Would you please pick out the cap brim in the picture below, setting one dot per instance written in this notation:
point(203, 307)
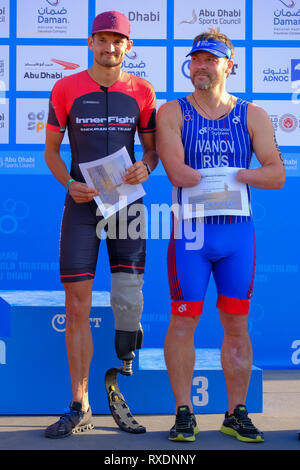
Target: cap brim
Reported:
point(211, 51)
point(110, 31)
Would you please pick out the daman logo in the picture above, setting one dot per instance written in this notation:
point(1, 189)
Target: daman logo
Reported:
point(288, 3)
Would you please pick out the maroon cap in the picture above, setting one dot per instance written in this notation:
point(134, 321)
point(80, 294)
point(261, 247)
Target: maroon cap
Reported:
point(112, 21)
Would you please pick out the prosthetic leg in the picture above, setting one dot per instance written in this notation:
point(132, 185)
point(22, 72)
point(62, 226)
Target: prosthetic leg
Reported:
point(126, 301)
point(126, 342)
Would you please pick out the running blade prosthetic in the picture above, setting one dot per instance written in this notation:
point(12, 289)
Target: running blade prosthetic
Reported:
point(118, 406)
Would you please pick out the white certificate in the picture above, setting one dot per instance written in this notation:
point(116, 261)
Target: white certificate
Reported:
point(106, 175)
point(218, 193)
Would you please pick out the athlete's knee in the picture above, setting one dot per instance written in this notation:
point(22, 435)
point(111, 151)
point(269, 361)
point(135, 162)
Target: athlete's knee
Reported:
point(78, 301)
point(234, 325)
point(183, 327)
point(127, 300)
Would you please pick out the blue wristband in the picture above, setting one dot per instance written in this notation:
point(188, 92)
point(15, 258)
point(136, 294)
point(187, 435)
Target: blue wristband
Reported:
point(67, 185)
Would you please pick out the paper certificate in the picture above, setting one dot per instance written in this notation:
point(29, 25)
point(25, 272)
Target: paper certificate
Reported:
point(106, 175)
point(218, 193)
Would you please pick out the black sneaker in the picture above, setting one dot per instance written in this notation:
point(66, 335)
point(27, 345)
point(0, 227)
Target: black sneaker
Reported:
point(239, 425)
point(72, 421)
point(185, 427)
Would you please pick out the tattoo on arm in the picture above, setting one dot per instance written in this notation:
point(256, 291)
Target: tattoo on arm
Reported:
point(278, 149)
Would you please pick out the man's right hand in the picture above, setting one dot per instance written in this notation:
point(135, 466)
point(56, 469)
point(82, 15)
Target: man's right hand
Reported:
point(81, 193)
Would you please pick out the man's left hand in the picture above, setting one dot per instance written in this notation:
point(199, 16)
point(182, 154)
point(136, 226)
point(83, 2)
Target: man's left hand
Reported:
point(136, 174)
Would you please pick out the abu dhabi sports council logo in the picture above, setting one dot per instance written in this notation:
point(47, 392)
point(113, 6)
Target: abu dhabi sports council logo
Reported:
point(215, 17)
point(193, 20)
point(288, 122)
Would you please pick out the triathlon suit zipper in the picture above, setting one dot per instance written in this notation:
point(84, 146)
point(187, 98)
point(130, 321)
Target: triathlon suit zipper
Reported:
point(105, 90)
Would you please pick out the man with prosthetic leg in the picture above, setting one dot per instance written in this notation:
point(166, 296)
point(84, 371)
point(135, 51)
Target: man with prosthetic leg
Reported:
point(91, 104)
point(197, 136)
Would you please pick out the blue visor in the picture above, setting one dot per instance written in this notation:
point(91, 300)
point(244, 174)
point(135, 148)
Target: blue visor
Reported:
point(217, 48)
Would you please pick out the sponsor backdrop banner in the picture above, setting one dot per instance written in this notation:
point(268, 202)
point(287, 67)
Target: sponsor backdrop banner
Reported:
point(42, 41)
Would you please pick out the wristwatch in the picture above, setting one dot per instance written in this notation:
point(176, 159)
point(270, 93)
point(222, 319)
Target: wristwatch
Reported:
point(148, 167)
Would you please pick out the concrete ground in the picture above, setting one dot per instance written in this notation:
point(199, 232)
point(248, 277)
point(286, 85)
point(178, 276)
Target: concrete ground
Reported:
point(280, 422)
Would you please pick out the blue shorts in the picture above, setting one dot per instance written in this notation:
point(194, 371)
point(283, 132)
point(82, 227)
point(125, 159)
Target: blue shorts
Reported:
point(228, 252)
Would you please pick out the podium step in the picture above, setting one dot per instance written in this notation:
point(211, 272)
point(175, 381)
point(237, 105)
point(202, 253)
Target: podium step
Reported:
point(151, 391)
point(34, 365)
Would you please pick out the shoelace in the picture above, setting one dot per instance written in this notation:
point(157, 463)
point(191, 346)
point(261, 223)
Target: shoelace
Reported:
point(183, 421)
point(245, 421)
point(68, 414)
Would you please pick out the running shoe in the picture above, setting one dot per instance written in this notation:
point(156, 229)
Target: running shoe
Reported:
point(74, 420)
point(185, 427)
point(239, 425)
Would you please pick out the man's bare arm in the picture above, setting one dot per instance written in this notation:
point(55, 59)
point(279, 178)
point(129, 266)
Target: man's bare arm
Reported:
point(271, 174)
point(138, 173)
point(170, 148)
point(80, 192)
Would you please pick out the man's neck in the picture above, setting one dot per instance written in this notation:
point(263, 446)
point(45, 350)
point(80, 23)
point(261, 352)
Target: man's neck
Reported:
point(105, 76)
point(212, 98)
point(213, 103)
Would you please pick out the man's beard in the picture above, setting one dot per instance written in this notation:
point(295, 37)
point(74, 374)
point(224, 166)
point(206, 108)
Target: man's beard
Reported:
point(109, 61)
point(204, 83)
